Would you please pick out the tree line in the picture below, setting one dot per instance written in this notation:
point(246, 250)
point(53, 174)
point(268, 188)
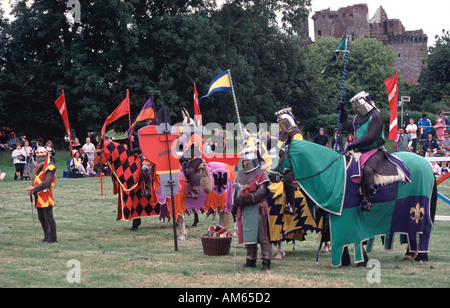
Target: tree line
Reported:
point(162, 47)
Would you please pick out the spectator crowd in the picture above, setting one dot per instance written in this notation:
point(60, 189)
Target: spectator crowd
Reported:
point(425, 138)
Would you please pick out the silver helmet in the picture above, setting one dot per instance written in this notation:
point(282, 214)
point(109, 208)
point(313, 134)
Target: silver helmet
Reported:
point(362, 103)
point(286, 119)
point(250, 157)
point(41, 156)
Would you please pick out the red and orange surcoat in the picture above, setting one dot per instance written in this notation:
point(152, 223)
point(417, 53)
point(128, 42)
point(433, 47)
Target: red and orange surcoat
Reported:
point(45, 197)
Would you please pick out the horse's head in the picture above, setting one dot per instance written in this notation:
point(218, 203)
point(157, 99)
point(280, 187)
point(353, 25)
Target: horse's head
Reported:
point(102, 154)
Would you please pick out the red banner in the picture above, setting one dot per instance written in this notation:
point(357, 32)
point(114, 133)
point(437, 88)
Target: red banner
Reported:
point(392, 89)
point(62, 108)
point(121, 110)
point(197, 113)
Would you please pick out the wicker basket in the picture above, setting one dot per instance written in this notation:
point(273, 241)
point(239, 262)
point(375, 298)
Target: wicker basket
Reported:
point(216, 246)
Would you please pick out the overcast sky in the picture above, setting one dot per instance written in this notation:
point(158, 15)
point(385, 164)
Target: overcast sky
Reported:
point(431, 16)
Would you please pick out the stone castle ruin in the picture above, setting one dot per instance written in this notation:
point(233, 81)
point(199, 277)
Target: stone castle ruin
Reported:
point(410, 46)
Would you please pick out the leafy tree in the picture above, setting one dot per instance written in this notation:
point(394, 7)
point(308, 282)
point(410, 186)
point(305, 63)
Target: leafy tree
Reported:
point(32, 68)
point(369, 64)
point(158, 47)
point(434, 79)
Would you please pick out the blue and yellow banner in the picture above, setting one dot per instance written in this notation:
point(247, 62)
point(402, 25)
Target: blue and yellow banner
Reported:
point(220, 83)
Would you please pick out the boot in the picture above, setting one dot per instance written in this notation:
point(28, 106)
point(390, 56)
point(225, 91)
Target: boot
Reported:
point(250, 263)
point(369, 191)
point(289, 208)
point(45, 239)
point(265, 265)
point(289, 189)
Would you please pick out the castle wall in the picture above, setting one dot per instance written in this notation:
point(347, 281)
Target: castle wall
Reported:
point(410, 46)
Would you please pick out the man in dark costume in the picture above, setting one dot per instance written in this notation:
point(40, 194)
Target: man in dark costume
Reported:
point(288, 132)
point(368, 127)
point(44, 180)
point(251, 209)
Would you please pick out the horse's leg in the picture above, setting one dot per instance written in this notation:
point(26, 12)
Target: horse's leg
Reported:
point(366, 259)
point(136, 224)
point(280, 254)
point(183, 232)
point(409, 256)
point(345, 260)
point(421, 257)
point(196, 220)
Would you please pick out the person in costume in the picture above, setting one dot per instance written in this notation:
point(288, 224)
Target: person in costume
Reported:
point(368, 128)
point(251, 210)
point(44, 180)
point(288, 132)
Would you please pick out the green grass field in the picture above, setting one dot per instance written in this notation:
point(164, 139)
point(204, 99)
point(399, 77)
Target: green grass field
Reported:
point(110, 255)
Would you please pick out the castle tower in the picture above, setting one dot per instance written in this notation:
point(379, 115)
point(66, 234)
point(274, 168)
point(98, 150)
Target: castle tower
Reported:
point(410, 46)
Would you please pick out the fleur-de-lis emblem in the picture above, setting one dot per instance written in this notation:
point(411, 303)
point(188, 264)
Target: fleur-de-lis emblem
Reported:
point(416, 211)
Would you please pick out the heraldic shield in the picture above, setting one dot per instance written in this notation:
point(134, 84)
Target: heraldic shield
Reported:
point(158, 144)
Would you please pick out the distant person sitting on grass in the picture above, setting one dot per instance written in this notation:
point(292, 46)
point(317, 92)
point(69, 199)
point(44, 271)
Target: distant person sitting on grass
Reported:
point(77, 163)
point(2, 175)
point(91, 169)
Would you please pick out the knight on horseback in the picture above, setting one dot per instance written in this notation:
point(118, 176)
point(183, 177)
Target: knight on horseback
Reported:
point(368, 127)
point(146, 165)
point(288, 132)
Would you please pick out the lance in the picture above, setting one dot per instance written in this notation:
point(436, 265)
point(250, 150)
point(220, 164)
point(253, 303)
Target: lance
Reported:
point(338, 127)
point(235, 103)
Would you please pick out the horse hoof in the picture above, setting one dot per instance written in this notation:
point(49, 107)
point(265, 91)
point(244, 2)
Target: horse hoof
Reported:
point(182, 237)
point(421, 257)
point(280, 256)
point(408, 257)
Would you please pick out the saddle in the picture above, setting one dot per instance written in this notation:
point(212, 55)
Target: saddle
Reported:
point(355, 167)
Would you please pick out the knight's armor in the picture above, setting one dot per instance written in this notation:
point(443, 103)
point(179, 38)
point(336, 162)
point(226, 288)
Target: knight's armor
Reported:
point(288, 132)
point(368, 127)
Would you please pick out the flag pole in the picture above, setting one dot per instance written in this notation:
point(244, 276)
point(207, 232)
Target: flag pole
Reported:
point(235, 103)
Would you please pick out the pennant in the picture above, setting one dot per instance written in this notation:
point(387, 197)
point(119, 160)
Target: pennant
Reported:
point(341, 48)
point(62, 108)
point(220, 83)
point(392, 89)
point(121, 110)
point(197, 113)
point(147, 112)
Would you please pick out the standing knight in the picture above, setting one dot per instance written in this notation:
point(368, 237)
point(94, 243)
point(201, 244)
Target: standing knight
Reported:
point(251, 210)
point(44, 180)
